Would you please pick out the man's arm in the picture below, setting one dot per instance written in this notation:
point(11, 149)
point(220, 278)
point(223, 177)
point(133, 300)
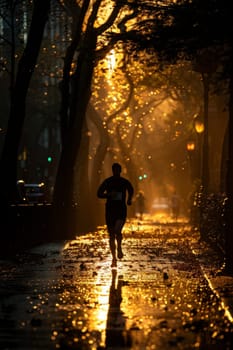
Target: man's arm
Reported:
point(101, 192)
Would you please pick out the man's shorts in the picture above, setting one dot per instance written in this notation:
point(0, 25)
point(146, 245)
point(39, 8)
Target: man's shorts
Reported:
point(115, 213)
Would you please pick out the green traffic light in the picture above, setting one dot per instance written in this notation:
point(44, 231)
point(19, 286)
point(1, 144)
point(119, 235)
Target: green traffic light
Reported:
point(49, 159)
point(141, 177)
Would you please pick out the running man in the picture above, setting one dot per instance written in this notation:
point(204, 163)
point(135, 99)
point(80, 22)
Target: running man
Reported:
point(118, 191)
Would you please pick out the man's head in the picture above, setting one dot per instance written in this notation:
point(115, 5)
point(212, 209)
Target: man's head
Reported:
point(116, 169)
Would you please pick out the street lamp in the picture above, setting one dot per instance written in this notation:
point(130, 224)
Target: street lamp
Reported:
point(199, 127)
point(190, 146)
point(198, 123)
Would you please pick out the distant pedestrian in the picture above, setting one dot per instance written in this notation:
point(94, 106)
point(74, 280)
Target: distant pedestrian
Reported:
point(118, 192)
point(140, 204)
point(175, 206)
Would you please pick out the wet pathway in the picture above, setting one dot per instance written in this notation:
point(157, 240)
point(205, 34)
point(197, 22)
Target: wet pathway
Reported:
point(66, 296)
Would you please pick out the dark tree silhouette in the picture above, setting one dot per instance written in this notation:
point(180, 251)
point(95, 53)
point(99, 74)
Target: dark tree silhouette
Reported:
point(8, 171)
point(74, 106)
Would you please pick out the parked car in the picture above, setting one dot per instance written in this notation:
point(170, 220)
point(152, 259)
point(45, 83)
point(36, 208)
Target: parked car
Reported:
point(31, 193)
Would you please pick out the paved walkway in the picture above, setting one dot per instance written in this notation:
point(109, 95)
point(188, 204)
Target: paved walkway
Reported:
point(66, 296)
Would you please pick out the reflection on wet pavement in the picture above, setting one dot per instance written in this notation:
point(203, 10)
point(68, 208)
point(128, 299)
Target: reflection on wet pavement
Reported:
point(66, 296)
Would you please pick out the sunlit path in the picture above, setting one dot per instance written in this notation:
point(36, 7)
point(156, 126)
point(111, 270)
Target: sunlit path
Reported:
point(66, 296)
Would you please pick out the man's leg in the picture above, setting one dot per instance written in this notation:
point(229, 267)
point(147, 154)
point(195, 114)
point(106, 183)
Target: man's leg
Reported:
point(112, 245)
point(110, 221)
point(118, 228)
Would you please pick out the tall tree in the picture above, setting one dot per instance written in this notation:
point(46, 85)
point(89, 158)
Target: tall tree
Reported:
point(95, 19)
point(8, 163)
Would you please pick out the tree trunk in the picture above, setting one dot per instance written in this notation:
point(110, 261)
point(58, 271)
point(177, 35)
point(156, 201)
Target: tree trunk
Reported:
point(64, 212)
point(8, 174)
point(85, 203)
point(101, 151)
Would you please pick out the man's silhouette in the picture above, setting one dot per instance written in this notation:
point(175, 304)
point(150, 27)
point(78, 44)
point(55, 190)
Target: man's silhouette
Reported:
point(118, 191)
